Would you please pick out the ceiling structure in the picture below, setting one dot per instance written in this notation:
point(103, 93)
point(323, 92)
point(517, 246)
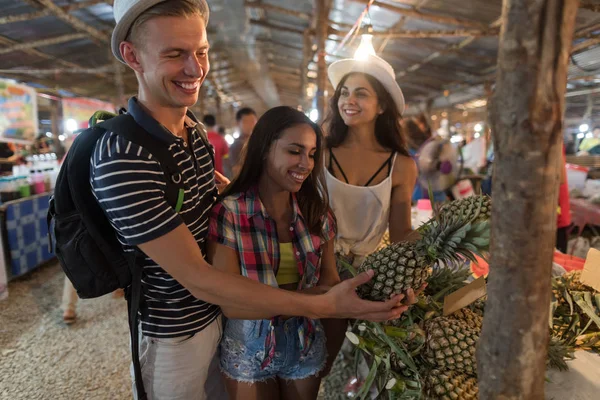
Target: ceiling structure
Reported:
point(265, 53)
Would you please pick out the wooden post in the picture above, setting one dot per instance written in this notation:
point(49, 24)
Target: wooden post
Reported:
point(527, 112)
point(323, 7)
point(306, 53)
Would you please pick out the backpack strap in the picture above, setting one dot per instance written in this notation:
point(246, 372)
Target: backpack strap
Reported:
point(125, 126)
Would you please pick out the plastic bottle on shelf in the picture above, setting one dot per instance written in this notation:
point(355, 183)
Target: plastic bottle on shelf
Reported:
point(424, 212)
point(12, 191)
point(48, 179)
point(38, 182)
point(24, 187)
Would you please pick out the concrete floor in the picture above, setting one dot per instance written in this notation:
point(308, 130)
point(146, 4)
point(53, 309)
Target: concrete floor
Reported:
point(42, 358)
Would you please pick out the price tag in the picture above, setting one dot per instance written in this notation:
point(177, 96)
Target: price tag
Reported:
point(591, 269)
point(464, 296)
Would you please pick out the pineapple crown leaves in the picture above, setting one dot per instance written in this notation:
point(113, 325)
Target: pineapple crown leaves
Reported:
point(450, 237)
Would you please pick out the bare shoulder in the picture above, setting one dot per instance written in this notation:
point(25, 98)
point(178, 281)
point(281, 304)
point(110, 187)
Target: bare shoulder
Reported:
point(405, 170)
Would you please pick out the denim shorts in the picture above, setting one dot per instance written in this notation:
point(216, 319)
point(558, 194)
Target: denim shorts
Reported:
point(243, 351)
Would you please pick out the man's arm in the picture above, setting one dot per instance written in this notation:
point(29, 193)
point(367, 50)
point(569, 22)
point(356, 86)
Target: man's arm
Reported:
point(177, 253)
point(226, 259)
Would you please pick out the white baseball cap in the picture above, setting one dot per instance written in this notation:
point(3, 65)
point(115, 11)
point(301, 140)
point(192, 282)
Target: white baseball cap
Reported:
point(127, 11)
point(372, 65)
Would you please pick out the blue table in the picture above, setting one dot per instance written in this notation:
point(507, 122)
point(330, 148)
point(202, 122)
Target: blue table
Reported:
point(25, 234)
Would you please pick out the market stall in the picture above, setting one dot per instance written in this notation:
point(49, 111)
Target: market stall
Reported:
point(35, 131)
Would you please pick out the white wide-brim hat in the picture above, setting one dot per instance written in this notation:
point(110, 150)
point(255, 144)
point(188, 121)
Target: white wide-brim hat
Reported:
point(127, 11)
point(372, 65)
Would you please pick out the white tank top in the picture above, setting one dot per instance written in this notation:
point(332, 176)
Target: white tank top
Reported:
point(362, 214)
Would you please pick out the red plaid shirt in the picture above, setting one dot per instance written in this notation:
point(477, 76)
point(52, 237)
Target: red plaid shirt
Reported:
point(242, 223)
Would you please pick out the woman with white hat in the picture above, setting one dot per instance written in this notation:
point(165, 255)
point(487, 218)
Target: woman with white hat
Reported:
point(369, 173)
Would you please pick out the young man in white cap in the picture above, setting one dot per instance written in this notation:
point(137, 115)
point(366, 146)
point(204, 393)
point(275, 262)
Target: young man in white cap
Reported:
point(165, 43)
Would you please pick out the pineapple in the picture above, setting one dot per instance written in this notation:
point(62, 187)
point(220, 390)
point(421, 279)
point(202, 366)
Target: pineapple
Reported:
point(478, 208)
point(397, 267)
point(401, 266)
point(451, 343)
point(450, 385)
point(470, 317)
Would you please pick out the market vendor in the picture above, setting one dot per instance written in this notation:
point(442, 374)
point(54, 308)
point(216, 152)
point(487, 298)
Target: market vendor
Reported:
point(591, 145)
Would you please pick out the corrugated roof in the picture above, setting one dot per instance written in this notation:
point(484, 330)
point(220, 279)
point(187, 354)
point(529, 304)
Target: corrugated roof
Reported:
point(258, 49)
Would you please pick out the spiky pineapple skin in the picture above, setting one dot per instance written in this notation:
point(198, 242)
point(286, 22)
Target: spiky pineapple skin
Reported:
point(398, 267)
point(450, 385)
point(478, 208)
point(451, 343)
point(470, 317)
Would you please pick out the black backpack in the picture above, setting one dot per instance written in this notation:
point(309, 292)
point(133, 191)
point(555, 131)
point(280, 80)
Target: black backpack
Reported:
point(84, 240)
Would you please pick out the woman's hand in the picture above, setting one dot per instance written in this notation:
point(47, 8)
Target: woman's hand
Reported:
point(221, 181)
point(411, 295)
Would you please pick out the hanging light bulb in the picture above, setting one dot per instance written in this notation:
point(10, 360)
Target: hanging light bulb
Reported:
point(365, 48)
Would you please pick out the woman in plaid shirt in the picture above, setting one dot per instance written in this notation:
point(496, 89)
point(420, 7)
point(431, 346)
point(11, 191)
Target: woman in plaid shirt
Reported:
point(274, 225)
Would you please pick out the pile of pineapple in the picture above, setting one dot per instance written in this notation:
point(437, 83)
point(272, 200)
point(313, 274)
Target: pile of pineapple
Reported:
point(427, 355)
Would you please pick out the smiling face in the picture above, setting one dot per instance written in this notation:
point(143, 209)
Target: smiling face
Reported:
point(358, 103)
point(291, 158)
point(170, 57)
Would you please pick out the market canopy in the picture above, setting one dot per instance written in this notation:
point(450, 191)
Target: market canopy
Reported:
point(264, 52)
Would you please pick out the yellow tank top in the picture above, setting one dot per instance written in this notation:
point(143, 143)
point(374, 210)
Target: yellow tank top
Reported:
point(288, 271)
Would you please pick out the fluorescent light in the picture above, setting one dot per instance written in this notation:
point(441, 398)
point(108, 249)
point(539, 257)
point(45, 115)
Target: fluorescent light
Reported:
point(61, 138)
point(236, 134)
point(580, 135)
point(229, 139)
point(589, 135)
point(314, 115)
point(584, 128)
point(48, 134)
point(477, 135)
point(478, 128)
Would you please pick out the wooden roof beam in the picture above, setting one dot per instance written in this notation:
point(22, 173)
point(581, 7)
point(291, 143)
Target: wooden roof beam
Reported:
point(433, 56)
point(45, 12)
point(414, 13)
point(55, 71)
point(23, 17)
point(291, 70)
point(276, 27)
point(424, 34)
point(278, 9)
point(595, 7)
point(274, 43)
point(584, 45)
point(98, 36)
point(36, 53)
point(588, 31)
point(43, 42)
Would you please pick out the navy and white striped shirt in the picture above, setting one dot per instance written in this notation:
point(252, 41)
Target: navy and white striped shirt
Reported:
point(130, 187)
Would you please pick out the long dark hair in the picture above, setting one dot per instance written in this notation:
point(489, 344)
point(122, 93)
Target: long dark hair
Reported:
point(312, 197)
point(388, 131)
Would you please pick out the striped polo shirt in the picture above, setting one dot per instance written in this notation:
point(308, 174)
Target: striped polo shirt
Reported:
point(130, 187)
